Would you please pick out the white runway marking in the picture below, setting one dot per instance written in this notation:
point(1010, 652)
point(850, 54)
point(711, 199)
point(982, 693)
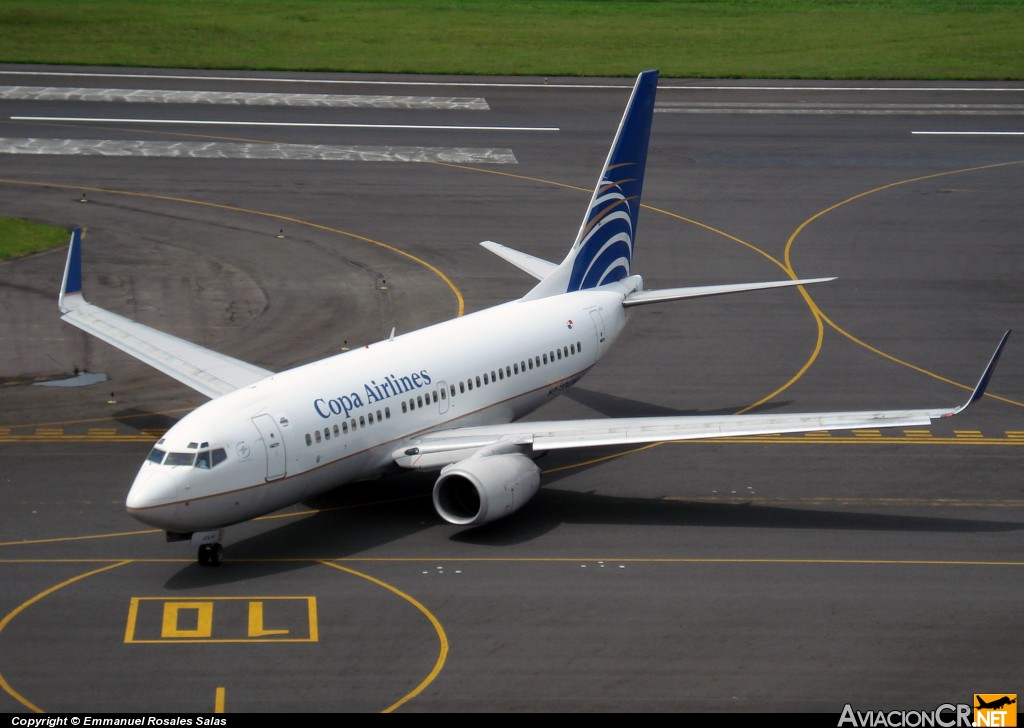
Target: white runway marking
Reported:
point(155, 96)
point(558, 83)
point(727, 107)
point(215, 122)
point(970, 133)
point(231, 150)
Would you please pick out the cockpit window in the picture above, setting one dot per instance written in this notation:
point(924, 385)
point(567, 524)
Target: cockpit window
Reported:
point(156, 455)
point(208, 459)
point(180, 458)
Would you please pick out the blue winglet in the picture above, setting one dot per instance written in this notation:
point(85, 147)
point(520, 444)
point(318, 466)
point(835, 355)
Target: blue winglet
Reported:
point(979, 390)
point(72, 282)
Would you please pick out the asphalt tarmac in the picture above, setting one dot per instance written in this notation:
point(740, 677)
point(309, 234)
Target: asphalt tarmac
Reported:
point(880, 569)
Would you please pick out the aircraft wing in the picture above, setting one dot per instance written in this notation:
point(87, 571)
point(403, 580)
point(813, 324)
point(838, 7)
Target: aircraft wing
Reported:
point(439, 448)
point(204, 370)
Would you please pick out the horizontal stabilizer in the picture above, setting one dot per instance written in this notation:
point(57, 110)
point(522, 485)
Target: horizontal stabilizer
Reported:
point(204, 370)
point(536, 267)
point(640, 298)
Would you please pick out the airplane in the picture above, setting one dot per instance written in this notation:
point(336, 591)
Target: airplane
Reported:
point(445, 398)
point(995, 704)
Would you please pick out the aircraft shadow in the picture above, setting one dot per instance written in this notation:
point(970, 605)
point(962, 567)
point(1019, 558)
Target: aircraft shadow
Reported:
point(142, 420)
point(553, 507)
point(361, 517)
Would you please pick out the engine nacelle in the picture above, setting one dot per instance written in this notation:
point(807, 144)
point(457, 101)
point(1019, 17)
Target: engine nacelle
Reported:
point(480, 490)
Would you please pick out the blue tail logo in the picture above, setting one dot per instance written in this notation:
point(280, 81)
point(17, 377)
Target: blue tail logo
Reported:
point(603, 251)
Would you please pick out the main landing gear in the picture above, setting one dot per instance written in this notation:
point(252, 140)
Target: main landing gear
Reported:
point(211, 554)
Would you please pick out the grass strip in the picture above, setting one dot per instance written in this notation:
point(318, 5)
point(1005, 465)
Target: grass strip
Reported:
point(912, 39)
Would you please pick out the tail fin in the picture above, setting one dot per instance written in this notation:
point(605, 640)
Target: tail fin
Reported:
point(603, 251)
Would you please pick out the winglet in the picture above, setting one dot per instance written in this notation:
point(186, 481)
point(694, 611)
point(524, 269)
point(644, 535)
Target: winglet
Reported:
point(979, 389)
point(72, 283)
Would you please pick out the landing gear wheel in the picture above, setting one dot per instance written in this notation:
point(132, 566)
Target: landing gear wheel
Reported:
point(211, 555)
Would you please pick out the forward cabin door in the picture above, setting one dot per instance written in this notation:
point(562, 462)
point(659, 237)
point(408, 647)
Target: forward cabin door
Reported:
point(270, 433)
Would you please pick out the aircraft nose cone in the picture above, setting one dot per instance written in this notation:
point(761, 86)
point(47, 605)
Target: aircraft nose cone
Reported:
point(152, 489)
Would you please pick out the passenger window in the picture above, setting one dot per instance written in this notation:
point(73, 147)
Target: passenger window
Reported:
point(453, 390)
point(317, 436)
point(379, 418)
point(538, 361)
point(566, 350)
point(486, 380)
point(493, 378)
point(387, 412)
point(336, 432)
point(444, 394)
point(462, 387)
point(478, 382)
point(419, 400)
point(309, 440)
point(405, 407)
point(352, 424)
point(501, 374)
point(327, 433)
point(508, 371)
point(529, 363)
point(515, 368)
point(559, 353)
point(433, 396)
point(469, 383)
point(362, 421)
point(545, 358)
point(344, 427)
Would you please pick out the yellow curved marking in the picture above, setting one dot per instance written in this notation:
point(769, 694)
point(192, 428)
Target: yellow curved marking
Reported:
point(441, 636)
point(781, 265)
point(823, 318)
point(273, 215)
point(25, 605)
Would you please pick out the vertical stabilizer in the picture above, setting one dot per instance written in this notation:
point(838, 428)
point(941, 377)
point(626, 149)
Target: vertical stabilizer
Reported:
point(603, 251)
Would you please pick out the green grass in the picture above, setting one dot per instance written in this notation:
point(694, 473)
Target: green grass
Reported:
point(942, 39)
point(21, 237)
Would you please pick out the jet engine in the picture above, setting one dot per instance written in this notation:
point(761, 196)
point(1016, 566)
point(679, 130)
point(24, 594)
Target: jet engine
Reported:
point(480, 490)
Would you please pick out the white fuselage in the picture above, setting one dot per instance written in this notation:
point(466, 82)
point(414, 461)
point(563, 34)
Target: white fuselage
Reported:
point(310, 429)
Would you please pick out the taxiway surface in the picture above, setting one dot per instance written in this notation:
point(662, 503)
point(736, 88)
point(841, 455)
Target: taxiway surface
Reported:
point(881, 569)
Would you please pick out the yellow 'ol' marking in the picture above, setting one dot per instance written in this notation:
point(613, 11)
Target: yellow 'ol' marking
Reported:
point(203, 620)
point(256, 622)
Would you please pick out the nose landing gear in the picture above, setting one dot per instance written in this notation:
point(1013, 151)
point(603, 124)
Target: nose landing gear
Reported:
point(211, 554)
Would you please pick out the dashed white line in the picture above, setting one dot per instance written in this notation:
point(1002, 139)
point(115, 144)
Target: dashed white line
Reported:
point(232, 150)
point(218, 122)
point(157, 96)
